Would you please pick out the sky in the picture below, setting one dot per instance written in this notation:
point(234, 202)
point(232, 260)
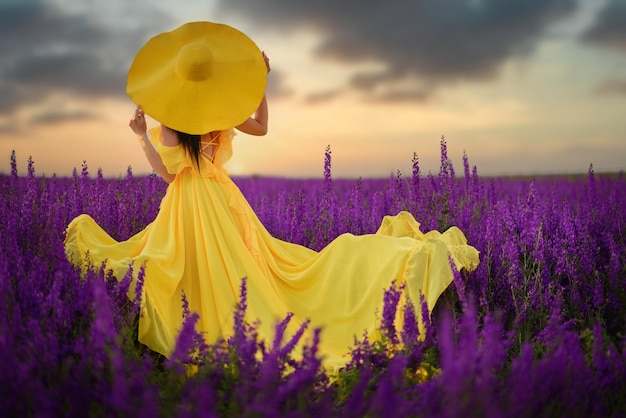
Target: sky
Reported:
point(521, 86)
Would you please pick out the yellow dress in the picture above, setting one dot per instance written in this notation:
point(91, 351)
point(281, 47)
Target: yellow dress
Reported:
point(206, 238)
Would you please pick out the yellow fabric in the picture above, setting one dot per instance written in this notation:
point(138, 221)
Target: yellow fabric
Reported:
point(206, 238)
point(200, 77)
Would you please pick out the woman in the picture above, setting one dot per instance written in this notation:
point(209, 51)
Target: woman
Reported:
point(199, 81)
point(196, 145)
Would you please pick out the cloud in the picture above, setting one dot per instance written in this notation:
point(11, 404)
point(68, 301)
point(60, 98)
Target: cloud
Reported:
point(75, 71)
point(62, 47)
point(438, 42)
point(57, 116)
point(406, 95)
point(612, 86)
point(610, 27)
point(276, 86)
point(322, 97)
point(7, 129)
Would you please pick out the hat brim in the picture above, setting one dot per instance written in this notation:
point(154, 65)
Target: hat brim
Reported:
point(225, 99)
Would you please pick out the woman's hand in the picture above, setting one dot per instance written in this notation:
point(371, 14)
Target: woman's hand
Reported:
point(138, 125)
point(138, 122)
point(267, 62)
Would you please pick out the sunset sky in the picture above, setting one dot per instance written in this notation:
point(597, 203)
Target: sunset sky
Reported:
point(522, 86)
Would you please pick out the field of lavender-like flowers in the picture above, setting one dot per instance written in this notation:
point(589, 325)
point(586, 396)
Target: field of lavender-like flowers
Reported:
point(537, 330)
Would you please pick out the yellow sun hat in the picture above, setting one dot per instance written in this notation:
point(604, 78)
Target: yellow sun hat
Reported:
point(200, 77)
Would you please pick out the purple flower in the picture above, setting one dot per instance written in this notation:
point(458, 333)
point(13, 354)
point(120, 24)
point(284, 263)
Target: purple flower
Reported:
point(390, 307)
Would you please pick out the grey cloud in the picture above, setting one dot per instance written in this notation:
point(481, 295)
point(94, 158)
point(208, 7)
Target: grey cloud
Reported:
point(276, 86)
point(397, 95)
point(612, 86)
point(56, 116)
point(45, 49)
point(14, 11)
point(78, 71)
point(610, 27)
point(322, 97)
point(7, 129)
point(441, 41)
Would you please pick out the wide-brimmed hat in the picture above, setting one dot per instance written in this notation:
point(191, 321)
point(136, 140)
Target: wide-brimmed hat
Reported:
point(198, 78)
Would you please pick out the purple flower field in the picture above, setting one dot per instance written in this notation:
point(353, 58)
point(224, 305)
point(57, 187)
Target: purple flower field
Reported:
point(537, 330)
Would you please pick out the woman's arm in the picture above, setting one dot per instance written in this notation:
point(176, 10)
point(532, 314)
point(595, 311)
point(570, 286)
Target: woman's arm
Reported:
point(138, 125)
point(257, 124)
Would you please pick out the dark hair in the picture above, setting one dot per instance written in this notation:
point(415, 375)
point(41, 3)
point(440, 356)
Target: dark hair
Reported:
point(191, 144)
